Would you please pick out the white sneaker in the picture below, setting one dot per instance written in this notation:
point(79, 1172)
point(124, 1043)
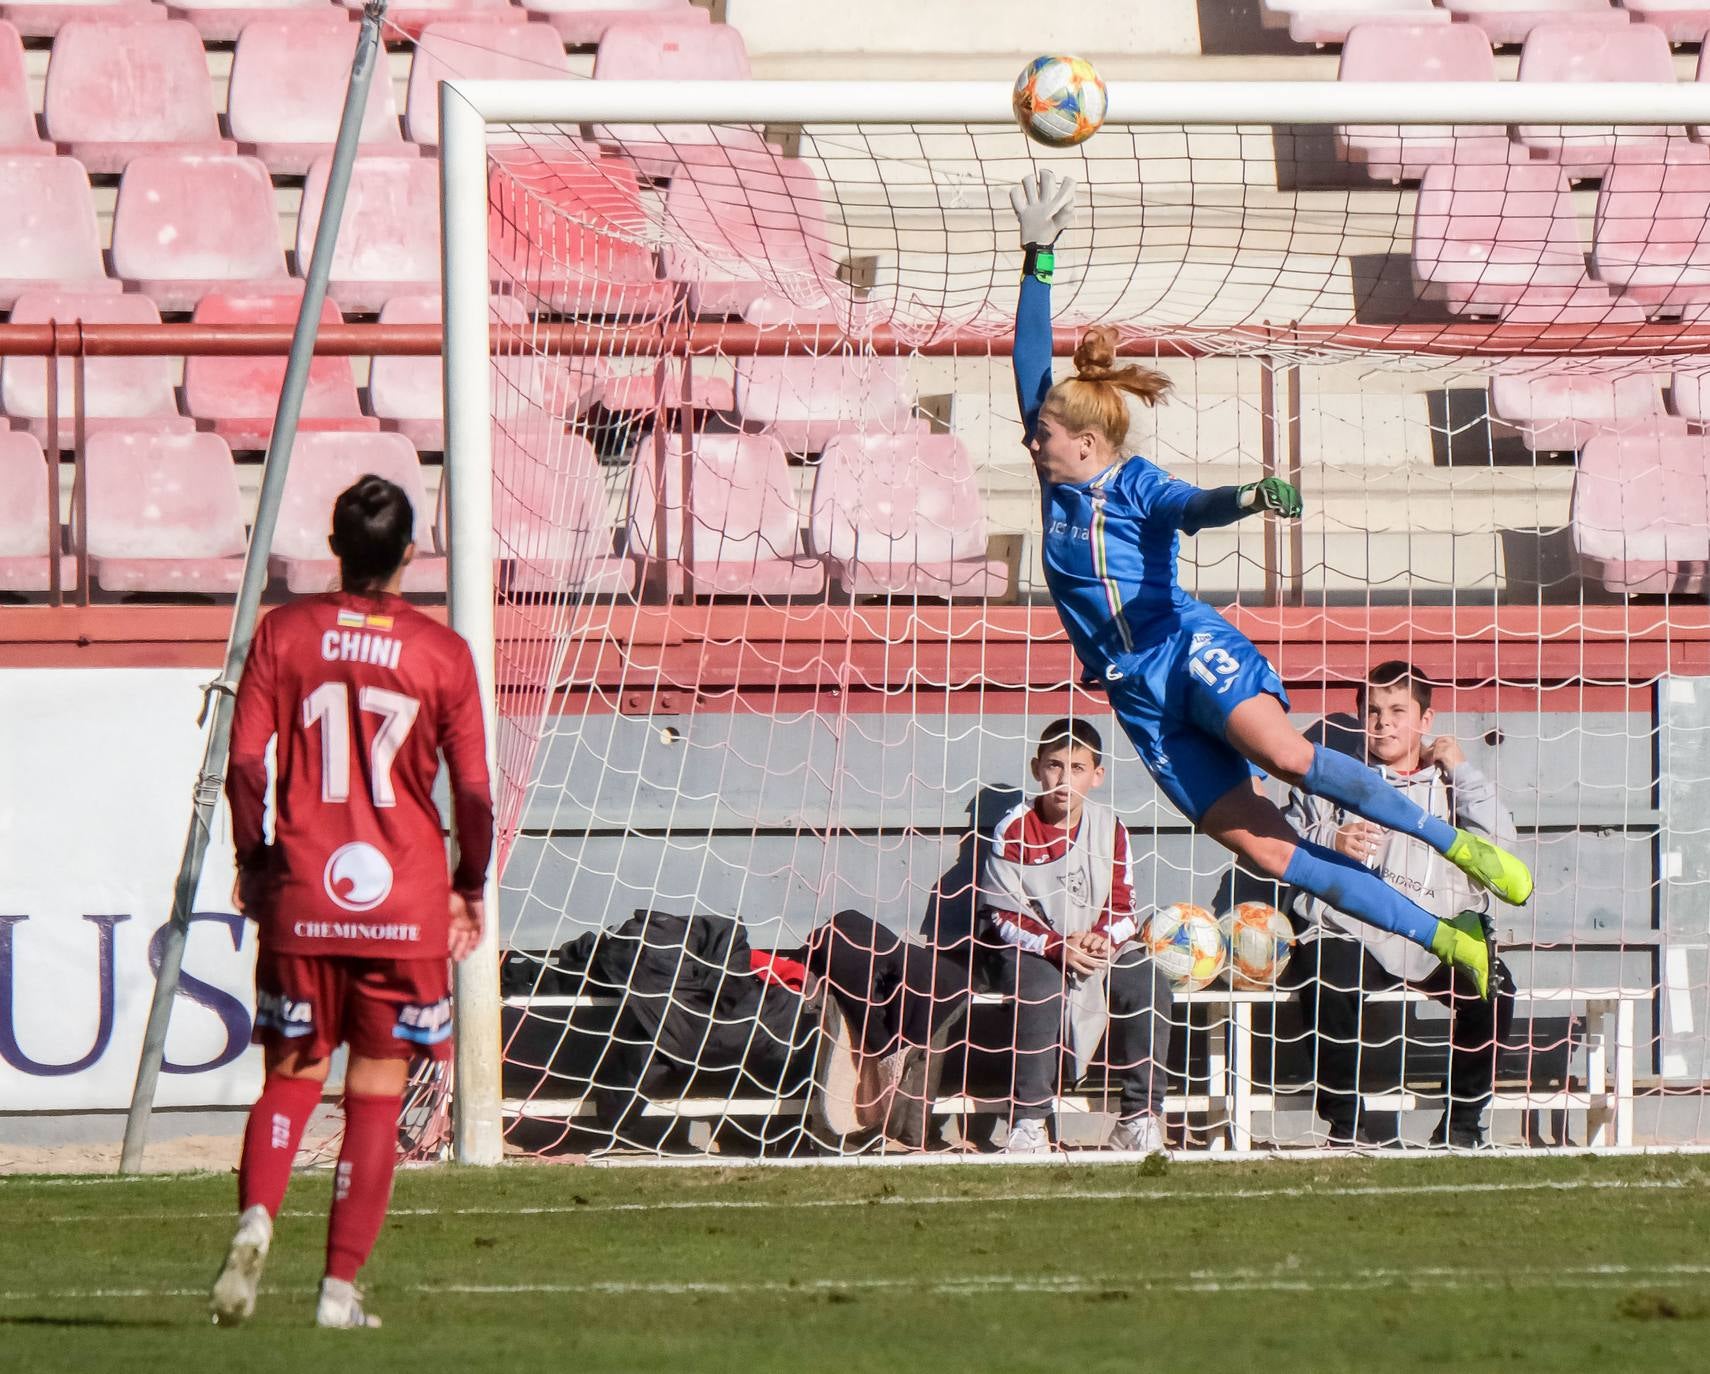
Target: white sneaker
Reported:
point(341, 1306)
point(232, 1301)
point(1028, 1138)
point(1140, 1135)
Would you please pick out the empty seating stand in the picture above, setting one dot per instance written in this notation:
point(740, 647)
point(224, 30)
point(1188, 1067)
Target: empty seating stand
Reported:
point(1560, 406)
point(1417, 52)
point(582, 22)
point(223, 21)
point(1683, 21)
point(236, 396)
point(748, 223)
point(670, 50)
point(186, 224)
point(478, 50)
point(165, 513)
point(735, 530)
point(47, 222)
point(803, 402)
point(1509, 21)
point(1641, 512)
point(388, 243)
point(120, 393)
point(287, 93)
point(45, 19)
point(1568, 51)
point(1689, 396)
point(18, 136)
point(323, 465)
point(118, 91)
point(415, 15)
point(24, 530)
point(1650, 237)
point(1328, 21)
point(659, 386)
point(902, 515)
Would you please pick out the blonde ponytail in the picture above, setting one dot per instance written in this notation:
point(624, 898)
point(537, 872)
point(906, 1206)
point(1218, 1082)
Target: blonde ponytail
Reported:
point(1093, 397)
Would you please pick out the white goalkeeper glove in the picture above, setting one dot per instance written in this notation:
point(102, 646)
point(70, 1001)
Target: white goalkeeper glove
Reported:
point(1044, 206)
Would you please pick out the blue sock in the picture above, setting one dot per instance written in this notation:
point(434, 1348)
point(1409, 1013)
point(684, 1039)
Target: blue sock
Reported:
point(1353, 888)
point(1337, 777)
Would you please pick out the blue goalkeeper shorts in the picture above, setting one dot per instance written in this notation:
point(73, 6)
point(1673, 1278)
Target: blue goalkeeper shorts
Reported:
point(1174, 700)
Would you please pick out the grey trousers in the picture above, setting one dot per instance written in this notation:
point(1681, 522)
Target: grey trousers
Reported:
point(1137, 1039)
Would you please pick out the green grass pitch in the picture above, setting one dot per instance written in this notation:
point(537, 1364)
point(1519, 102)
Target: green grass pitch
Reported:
point(1367, 1265)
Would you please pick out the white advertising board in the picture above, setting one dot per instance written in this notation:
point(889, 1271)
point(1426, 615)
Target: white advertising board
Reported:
point(97, 768)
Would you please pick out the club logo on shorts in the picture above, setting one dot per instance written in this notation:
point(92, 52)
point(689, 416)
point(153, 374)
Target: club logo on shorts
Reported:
point(358, 877)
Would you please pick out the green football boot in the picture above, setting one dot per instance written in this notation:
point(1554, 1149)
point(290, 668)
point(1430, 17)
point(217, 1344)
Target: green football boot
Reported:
point(1491, 867)
point(1468, 943)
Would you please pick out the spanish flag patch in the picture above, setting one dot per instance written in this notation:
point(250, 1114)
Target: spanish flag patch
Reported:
point(356, 620)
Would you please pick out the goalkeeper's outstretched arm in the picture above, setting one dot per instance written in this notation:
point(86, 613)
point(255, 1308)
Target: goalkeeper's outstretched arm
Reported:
point(1044, 206)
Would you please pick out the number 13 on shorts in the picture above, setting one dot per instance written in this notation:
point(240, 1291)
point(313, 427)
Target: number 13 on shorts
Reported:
point(1215, 667)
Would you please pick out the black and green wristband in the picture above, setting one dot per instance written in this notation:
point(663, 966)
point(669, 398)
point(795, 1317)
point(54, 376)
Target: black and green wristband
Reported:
point(1041, 262)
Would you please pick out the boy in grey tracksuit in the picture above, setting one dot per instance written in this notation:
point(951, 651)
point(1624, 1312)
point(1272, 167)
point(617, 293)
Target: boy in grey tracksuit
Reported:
point(1340, 959)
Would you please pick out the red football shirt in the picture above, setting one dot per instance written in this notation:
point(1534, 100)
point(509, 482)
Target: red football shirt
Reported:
point(363, 694)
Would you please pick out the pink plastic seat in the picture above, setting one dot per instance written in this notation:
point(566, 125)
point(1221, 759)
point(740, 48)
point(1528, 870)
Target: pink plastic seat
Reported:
point(1571, 51)
point(670, 50)
point(1682, 21)
point(223, 21)
point(18, 136)
point(165, 514)
point(118, 91)
point(585, 21)
point(1650, 237)
point(1641, 512)
point(415, 15)
point(45, 19)
point(287, 93)
point(1559, 406)
point(802, 402)
point(1689, 395)
point(388, 244)
point(323, 465)
point(570, 231)
point(901, 514)
point(1328, 21)
point(640, 390)
point(25, 564)
point(237, 396)
point(478, 50)
point(47, 222)
point(1417, 52)
point(1504, 241)
point(746, 224)
point(133, 393)
point(737, 528)
point(1509, 21)
point(186, 224)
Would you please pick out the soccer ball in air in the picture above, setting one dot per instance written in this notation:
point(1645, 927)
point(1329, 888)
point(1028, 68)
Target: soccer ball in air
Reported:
point(1059, 101)
point(1187, 944)
point(1260, 939)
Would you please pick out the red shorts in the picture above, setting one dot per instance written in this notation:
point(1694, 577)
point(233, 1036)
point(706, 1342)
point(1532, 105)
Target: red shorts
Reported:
point(381, 1008)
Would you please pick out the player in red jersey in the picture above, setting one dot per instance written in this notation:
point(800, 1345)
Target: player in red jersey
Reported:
point(357, 913)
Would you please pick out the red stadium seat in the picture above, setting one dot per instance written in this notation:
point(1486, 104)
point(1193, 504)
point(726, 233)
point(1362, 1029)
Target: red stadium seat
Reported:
point(902, 515)
point(18, 136)
point(1689, 395)
point(118, 91)
point(1650, 238)
point(224, 21)
point(186, 224)
point(45, 19)
point(802, 402)
point(570, 230)
point(120, 393)
point(47, 222)
point(1567, 51)
point(1641, 512)
point(480, 50)
point(1509, 21)
point(415, 15)
point(1328, 21)
point(24, 545)
point(323, 465)
point(165, 514)
point(735, 530)
point(1417, 52)
point(747, 224)
point(1558, 405)
point(640, 390)
point(1504, 241)
point(287, 93)
point(388, 244)
point(670, 50)
point(237, 396)
point(1682, 21)
point(585, 21)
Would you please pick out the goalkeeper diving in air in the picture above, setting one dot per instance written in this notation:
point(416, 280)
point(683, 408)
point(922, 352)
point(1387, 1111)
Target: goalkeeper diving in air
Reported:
point(1204, 708)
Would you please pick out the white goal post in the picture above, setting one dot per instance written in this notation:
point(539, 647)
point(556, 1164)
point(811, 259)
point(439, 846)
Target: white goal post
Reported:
point(471, 110)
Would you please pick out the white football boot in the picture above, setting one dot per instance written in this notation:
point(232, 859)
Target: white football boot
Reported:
point(232, 1301)
point(340, 1305)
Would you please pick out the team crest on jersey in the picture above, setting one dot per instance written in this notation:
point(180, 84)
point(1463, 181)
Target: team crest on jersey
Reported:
point(357, 876)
